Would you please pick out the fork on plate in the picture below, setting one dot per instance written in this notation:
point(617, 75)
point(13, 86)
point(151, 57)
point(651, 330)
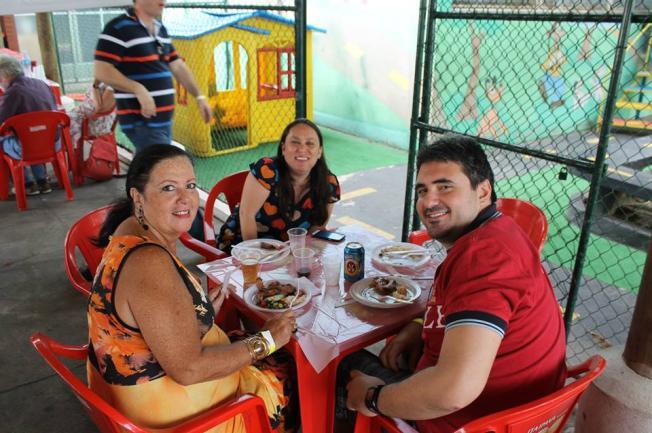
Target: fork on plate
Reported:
point(384, 298)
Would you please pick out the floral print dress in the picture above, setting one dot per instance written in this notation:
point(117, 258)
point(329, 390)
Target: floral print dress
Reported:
point(269, 221)
point(122, 369)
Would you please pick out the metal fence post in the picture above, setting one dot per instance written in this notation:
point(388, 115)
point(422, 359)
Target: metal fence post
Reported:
point(300, 55)
point(412, 150)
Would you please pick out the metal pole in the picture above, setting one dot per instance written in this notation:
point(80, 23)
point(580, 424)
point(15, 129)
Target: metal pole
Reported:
point(638, 349)
point(47, 44)
point(300, 55)
point(596, 180)
point(412, 147)
point(426, 88)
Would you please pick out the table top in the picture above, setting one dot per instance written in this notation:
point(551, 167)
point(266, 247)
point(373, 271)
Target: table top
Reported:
point(326, 327)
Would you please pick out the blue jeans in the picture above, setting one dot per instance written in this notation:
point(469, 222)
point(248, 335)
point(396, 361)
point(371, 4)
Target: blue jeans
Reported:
point(143, 134)
point(11, 147)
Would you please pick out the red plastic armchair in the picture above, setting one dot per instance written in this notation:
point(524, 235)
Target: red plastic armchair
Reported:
point(109, 420)
point(529, 217)
point(80, 237)
point(37, 133)
point(86, 136)
point(231, 186)
point(551, 411)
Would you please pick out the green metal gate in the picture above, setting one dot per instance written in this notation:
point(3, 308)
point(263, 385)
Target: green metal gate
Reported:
point(540, 84)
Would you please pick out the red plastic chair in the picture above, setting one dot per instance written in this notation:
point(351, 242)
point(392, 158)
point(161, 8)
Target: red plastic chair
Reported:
point(231, 186)
point(36, 131)
point(86, 136)
point(551, 411)
point(109, 420)
point(80, 237)
point(529, 217)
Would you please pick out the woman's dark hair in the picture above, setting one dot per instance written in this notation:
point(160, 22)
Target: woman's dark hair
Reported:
point(137, 177)
point(320, 190)
point(466, 152)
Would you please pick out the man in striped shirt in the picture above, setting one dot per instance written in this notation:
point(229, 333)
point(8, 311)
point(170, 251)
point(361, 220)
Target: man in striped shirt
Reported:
point(136, 57)
point(492, 336)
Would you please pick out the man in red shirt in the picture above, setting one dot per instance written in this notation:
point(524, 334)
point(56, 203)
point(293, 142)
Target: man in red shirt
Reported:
point(492, 336)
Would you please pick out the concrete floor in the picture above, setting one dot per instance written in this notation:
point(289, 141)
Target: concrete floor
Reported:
point(35, 295)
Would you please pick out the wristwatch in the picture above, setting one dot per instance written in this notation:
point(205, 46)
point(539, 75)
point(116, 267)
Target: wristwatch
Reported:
point(371, 398)
point(257, 346)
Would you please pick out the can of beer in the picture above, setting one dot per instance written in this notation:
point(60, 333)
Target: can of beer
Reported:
point(353, 262)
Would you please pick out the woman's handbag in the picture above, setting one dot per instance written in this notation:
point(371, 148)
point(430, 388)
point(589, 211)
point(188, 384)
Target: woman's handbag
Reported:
point(100, 163)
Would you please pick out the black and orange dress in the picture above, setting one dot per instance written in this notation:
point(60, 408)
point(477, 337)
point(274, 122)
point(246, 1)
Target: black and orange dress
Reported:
point(123, 370)
point(269, 221)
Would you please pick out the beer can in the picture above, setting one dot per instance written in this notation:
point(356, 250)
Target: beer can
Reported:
point(353, 262)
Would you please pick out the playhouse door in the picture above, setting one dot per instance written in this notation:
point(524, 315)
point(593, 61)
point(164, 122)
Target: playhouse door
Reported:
point(228, 97)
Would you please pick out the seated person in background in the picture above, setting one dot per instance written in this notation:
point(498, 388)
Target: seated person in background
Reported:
point(492, 336)
point(22, 95)
point(98, 100)
point(293, 189)
point(154, 350)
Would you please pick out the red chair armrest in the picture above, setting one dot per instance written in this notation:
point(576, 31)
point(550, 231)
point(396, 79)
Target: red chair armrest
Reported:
point(78, 281)
point(251, 407)
point(210, 253)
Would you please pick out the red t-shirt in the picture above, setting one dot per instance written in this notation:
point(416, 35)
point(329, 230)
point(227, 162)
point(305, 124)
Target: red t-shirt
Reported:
point(493, 277)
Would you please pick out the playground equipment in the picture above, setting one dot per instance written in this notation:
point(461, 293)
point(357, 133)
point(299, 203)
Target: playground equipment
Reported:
point(244, 63)
point(635, 105)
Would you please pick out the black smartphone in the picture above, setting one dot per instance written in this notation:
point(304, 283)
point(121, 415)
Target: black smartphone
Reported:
point(328, 235)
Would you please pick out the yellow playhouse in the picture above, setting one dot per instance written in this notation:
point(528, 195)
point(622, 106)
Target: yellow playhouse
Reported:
point(244, 63)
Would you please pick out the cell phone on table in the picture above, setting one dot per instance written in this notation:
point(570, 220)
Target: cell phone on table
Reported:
point(328, 235)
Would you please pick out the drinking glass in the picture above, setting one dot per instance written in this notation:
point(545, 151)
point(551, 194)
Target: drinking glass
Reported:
point(250, 262)
point(303, 258)
point(332, 264)
point(297, 238)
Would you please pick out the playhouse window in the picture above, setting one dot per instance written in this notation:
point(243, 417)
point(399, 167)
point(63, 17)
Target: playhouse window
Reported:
point(276, 73)
point(230, 66)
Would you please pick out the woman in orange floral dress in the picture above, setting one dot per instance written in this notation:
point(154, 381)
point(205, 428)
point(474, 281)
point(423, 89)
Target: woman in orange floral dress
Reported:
point(293, 189)
point(155, 353)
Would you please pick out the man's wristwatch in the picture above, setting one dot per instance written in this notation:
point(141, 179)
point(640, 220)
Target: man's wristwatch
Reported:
point(257, 346)
point(371, 399)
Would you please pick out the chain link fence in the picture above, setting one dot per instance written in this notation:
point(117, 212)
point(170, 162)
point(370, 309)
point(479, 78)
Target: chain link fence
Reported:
point(247, 60)
point(559, 94)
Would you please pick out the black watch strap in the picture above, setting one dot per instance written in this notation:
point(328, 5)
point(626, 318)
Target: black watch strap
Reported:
point(371, 399)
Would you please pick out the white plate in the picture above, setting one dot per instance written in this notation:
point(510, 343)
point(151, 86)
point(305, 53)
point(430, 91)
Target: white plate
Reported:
point(382, 255)
point(363, 293)
point(271, 257)
point(253, 290)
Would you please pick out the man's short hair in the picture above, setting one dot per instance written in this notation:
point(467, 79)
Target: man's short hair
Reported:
point(466, 152)
point(10, 67)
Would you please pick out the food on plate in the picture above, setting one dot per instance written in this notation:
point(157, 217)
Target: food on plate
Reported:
point(268, 246)
point(276, 295)
point(390, 287)
point(401, 251)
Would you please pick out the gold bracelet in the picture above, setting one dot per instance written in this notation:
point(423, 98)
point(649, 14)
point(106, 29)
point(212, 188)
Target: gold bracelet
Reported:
point(418, 320)
point(200, 98)
point(257, 346)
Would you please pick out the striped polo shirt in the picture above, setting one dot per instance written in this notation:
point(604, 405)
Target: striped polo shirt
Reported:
point(127, 44)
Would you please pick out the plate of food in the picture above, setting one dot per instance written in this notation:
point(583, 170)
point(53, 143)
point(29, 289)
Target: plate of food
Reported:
point(272, 251)
point(274, 296)
point(385, 292)
point(400, 254)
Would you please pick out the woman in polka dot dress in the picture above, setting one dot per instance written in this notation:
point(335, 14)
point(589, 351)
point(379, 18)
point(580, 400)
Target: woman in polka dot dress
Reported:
point(293, 189)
